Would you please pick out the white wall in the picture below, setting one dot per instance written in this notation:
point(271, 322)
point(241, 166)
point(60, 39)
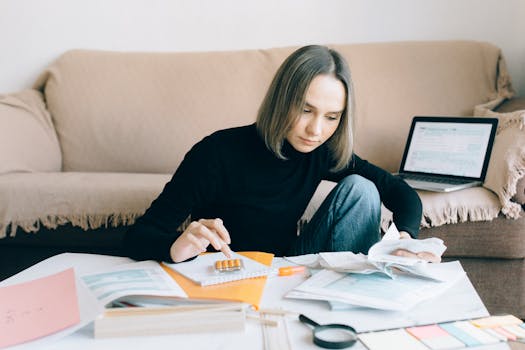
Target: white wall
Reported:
point(35, 32)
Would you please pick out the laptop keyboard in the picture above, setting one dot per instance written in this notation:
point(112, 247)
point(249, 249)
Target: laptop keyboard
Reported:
point(428, 178)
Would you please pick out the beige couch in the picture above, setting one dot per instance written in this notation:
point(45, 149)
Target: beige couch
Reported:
point(94, 142)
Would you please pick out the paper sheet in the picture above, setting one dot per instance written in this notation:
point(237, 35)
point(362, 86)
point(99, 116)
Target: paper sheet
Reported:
point(39, 307)
point(377, 290)
point(139, 278)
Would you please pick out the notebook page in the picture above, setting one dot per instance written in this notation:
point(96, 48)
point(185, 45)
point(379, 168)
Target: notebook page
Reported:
point(201, 270)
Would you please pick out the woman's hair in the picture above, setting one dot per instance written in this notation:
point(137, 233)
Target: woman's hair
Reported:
point(285, 100)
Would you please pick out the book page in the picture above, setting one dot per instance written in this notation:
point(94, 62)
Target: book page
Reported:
point(140, 278)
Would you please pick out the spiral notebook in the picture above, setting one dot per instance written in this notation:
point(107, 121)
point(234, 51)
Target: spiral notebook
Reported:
point(201, 270)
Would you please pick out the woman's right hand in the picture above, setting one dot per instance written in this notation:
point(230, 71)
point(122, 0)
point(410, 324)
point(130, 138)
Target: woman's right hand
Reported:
point(198, 236)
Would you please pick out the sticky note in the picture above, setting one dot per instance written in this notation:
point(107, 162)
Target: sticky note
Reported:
point(459, 333)
point(505, 333)
point(496, 334)
point(384, 340)
point(496, 321)
point(516, 330)
point(477, 333)
point(435, 337)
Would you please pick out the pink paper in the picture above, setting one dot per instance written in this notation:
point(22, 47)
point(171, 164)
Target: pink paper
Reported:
point(423, 332)
point(37, 308)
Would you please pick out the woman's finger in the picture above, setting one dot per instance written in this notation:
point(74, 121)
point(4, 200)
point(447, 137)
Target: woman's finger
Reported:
point(198, 243)
point(421, 255)
point(200, 229)
point(217, 225)
point(429, 257)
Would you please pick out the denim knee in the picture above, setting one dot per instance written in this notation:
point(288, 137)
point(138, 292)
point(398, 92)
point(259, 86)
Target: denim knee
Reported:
point(356, 186)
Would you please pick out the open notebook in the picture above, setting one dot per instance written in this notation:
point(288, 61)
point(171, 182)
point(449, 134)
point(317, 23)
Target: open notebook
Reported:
point(201, 270)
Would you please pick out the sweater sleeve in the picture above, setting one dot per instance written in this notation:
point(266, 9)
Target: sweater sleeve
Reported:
point(395, 194)
point(193, 183)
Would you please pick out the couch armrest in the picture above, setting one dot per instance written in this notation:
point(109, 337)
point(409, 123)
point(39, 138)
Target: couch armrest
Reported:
point(511, 105)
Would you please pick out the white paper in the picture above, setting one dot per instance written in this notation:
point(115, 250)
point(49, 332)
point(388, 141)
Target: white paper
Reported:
point(139, 278)
point(376, 290)
point(202, 269)
point(380, 260)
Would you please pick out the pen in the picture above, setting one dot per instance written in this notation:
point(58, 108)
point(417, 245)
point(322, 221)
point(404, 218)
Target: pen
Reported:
point(290, 270)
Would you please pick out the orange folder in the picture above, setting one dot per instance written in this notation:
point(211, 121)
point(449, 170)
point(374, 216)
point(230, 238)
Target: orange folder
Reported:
point(249, 290)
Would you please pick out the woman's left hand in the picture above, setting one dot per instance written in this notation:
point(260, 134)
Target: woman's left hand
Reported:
point(430, 257)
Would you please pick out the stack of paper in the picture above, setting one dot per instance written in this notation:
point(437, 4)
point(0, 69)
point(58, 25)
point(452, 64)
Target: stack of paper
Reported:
point(151, 320)
point(377, 290)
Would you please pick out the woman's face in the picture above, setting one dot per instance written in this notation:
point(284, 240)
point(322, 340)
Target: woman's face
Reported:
point(325, 102)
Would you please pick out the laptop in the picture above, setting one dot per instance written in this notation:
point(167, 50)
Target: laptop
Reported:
point(445, 154)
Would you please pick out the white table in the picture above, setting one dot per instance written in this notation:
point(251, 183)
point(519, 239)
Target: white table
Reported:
point(460, 302)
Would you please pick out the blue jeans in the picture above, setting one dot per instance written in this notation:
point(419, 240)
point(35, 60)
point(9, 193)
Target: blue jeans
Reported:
point(348, 220)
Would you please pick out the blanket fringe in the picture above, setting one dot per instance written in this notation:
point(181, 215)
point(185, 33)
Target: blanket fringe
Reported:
point(446, 216)
point(86, 222)
point(458, 215)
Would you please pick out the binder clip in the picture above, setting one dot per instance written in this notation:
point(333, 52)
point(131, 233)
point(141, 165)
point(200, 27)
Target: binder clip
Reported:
point(229, 265)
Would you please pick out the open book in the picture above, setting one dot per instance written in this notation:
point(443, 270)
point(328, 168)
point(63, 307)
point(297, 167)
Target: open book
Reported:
point(141, 298)
point(137, 278)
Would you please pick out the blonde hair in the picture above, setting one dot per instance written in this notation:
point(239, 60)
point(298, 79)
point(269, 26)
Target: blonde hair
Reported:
point(285, 100)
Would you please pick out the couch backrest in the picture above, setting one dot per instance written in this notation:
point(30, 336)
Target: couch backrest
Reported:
point(141, 112)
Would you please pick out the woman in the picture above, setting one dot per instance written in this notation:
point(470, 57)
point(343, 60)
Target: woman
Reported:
point(247, 187)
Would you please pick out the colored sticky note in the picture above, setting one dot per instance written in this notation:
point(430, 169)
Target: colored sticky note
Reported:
point(460, 334)
point(435, 337)
point(505, 333)
point(480, 335)
point(36, 308)
point(516, 330)
point(384, 340)
point(423, 332)
point(496, 334)
point(497, 321)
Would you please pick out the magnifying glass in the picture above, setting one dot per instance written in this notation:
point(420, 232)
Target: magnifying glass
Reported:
point(331, 336)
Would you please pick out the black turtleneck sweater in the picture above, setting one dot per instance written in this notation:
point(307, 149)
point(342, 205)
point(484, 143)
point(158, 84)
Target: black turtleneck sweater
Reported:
point(232, 175)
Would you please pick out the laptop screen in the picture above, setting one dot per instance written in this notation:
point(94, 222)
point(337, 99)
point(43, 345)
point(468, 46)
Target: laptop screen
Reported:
point(449, 146)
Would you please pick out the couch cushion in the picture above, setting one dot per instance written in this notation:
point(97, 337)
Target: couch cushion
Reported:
point(28, 141)
point(499, 238)
point(87, 200)
point(141, 112)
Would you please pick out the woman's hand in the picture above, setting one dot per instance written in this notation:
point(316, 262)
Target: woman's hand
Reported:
point(430, 257)
point(198, 236)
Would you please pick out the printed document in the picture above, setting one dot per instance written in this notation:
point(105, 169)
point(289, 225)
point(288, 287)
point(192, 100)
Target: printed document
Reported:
point(377, 290)
point(139, 278)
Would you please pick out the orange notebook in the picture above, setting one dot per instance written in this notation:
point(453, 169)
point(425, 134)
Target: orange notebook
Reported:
point(248, 290)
